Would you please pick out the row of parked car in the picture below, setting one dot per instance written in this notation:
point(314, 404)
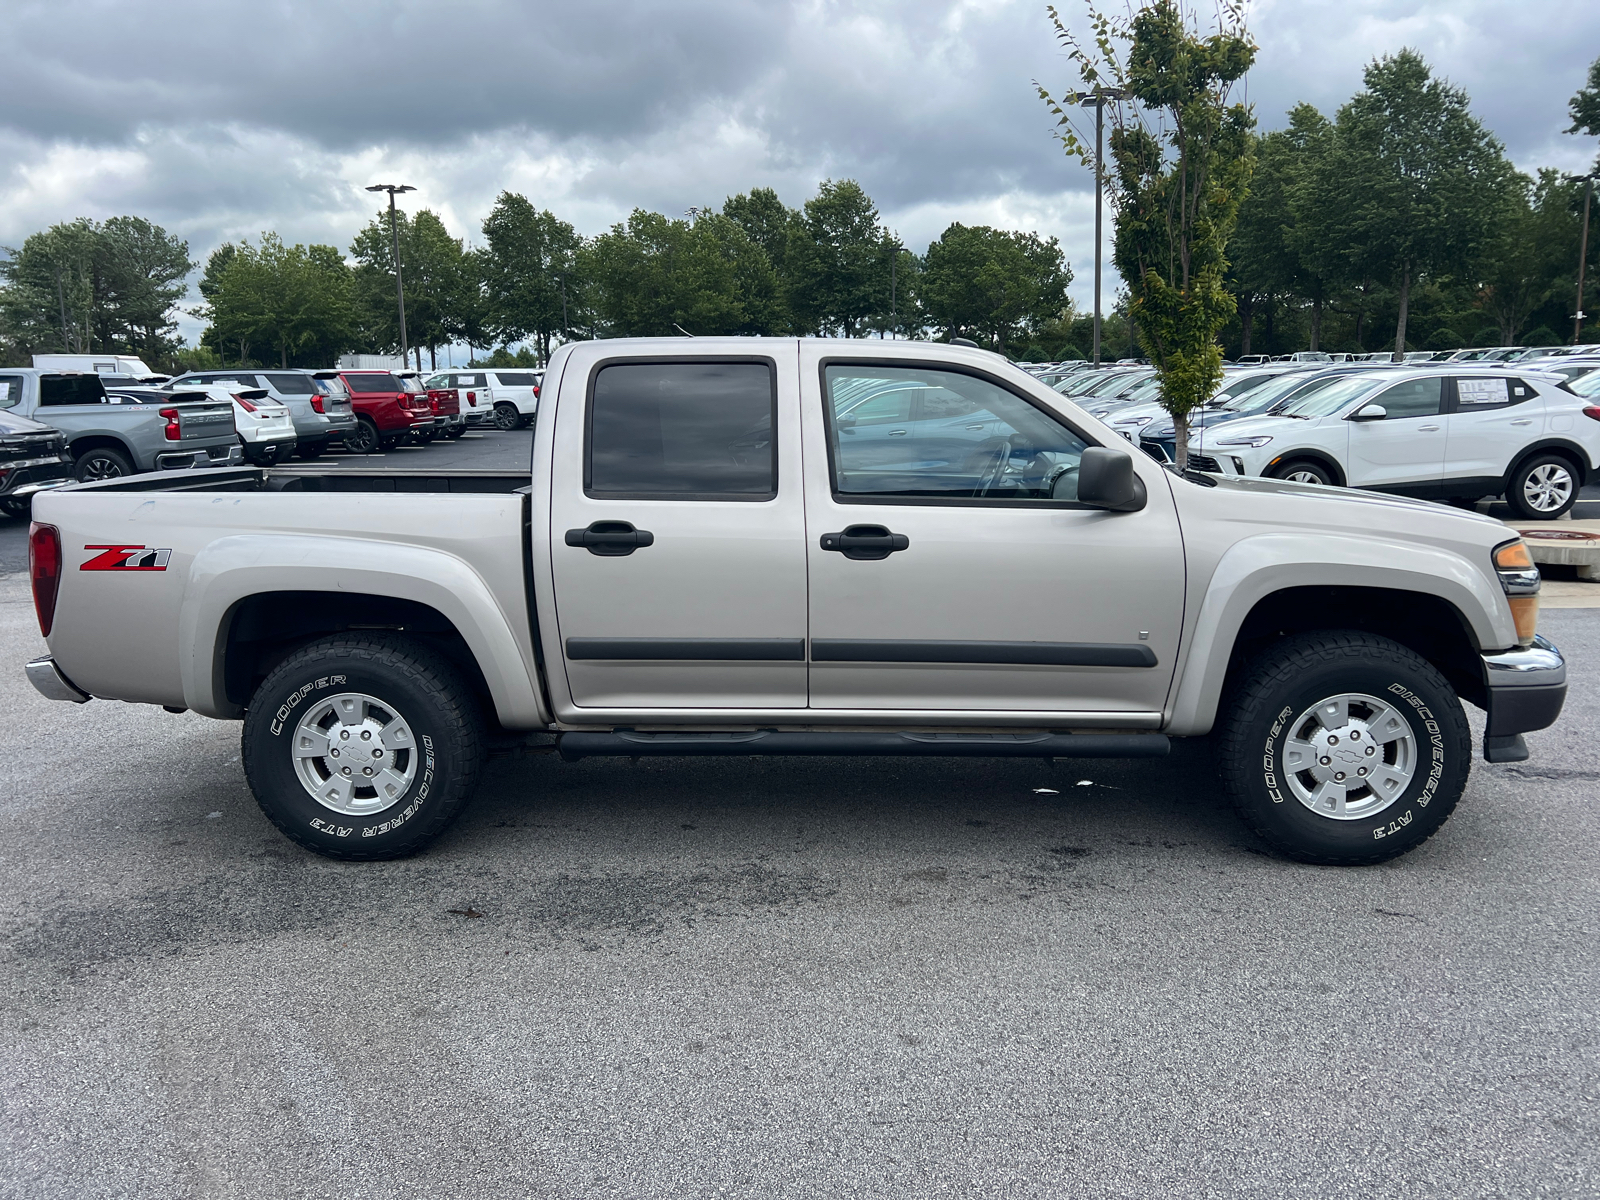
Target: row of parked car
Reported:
point(57, 425)
point(1456, 431)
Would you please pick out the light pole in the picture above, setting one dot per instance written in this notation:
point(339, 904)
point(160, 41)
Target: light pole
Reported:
point(399, 287)
point(1578, 314)
point(1097, 100)
point(894, 308)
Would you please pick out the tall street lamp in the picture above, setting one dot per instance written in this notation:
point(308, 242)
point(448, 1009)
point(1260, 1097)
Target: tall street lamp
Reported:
point(1578, 314)
point(894, 308)
point(399, 287)
point(1097, 100)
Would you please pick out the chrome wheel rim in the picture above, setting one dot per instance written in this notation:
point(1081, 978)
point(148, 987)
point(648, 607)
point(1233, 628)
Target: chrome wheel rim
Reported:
point(100, 467)
point(354, 754)
point(1303, 477)
point(1349, 757)
point(1547, 488)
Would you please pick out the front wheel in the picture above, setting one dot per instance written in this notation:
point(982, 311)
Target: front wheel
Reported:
point(1542, 488)
point(1343, 748)
point(362, 746)
point(1304, 472)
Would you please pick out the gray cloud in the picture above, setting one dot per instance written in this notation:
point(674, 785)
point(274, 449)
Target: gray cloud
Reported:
point(219, 120)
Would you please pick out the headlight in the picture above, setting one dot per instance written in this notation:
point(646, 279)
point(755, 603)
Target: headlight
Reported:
point(1520, 580)
point(1260, 440)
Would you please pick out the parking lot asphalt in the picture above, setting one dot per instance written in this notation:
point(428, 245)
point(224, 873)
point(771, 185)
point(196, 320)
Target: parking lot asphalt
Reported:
point(831, 977)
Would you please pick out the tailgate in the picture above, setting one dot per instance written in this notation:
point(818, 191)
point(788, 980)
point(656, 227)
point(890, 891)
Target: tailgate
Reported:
point(204, 420)
point(446, 401)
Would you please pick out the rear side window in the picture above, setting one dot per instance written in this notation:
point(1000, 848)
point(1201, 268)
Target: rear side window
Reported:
point(514, 379)
point(10, 390)
point(291, 385)
point(331, 387)
point(373, 383)
point(1473, 394)
point(682, 431)
point(469, 381)
point(71, 389)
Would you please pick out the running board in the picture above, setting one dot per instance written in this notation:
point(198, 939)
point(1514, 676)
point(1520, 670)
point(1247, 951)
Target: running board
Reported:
point(629, 744)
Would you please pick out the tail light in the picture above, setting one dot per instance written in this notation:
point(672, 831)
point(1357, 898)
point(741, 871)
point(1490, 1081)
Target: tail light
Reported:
point(316, 402)
point(1592, 411)
point(171, 431)
point(244, 404)
point(472, 399)
point(536, 391)
point(44, 566)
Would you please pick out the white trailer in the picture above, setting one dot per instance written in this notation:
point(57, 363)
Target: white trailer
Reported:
point(99, 364)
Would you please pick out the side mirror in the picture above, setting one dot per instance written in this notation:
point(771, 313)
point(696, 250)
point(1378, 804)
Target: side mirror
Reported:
point(1106, 480)
point(1370, 412)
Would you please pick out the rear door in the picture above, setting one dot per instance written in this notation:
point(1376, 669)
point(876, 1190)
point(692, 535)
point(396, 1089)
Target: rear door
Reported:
point(1403, 452)
point(1491, 417)
point(678, 532)
point(958, 573)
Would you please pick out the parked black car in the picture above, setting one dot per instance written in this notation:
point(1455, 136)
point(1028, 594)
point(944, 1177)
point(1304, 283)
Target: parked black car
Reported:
point(33, 457)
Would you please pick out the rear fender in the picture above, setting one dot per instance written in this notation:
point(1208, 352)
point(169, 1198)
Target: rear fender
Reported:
point(233, 568)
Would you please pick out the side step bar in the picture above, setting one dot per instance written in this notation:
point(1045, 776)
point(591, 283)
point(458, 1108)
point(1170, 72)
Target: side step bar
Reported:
point(629, 744)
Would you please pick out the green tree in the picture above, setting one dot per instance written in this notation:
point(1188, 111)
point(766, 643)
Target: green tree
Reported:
point(441, 284)
point(528, 268)
point(293, 302)
point(1181, 161)
point(1001, 286)
point(1415, 187)
point(777, 230)
point(1531, 254)
point(1585, 106)
point(838, 264)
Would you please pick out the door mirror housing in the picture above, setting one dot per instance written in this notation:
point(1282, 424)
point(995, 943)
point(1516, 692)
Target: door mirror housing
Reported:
point(1106, 479)
point(1370, 412)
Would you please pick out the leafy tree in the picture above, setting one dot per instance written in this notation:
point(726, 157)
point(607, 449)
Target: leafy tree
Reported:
point(527, 269)
point(1585, 106)
point(1530, 255)
point(1181, 161)
point(441, 284)
point(291, 301)
point(84, 285)
point(658, 277)
point(1415, 186)
point(777, 230)
point(1000, 286)
point(838, 265)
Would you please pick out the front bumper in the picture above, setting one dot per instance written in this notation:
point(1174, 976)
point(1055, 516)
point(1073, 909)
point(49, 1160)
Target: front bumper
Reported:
point(26, 476)
point(1525, 689)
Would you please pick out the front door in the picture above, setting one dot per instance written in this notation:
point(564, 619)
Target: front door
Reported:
point(1404, 451)
point(950, 566)
point(678, 532)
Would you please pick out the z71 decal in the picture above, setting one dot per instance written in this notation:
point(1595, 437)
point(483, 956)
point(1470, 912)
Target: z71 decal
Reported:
point(127, 558)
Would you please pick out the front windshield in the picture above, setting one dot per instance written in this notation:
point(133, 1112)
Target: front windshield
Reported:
point(1239, 386)
point(1077, 386)
point(1115, 386)
point(1267, 394)
point(1148, 390)
point(1331, 399)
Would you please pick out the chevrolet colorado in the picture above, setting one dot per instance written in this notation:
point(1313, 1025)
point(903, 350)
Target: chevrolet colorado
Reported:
point(779, 546)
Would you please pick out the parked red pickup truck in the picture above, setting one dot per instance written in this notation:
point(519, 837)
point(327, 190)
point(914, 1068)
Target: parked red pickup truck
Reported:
point(385, 412)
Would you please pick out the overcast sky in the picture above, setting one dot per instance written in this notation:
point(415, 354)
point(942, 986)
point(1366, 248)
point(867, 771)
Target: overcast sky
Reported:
point(218, 120)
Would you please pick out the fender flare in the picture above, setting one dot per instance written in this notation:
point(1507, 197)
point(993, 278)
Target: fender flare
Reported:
point(1321, 457)
point(235, 568)
point(1256, 567)
point(1565, 445)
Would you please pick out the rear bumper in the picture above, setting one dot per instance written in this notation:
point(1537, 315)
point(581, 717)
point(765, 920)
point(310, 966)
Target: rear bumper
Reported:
point(230, 455)
point(1525, 689)
point(52, 684)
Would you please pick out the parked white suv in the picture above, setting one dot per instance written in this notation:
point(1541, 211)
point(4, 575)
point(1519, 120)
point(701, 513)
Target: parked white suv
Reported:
point(509, 399)
point(1442, 433)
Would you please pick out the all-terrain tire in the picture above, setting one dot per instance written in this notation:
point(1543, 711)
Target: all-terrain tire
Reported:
point(1273, 709)
point(405, 695)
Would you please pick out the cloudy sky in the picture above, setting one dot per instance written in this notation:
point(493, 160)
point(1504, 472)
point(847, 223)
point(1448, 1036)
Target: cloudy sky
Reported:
point(220, 119)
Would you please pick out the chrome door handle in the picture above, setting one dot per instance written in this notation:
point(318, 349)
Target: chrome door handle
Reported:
point(1428, 428)
point(1522, 422)
point(898, 432)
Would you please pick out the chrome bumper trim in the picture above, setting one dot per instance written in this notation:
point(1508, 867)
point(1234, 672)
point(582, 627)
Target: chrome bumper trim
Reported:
point(1538, 665)
point(47, 678)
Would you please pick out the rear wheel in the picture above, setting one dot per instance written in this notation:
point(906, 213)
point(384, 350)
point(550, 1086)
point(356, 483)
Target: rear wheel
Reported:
point(506, 417)
point(363, 746)
point(363, 439)
point(101, 463)
point(1303, 471)
point(17, 506)
point(1543, 488)
point(456, 431)
point(1343, 748)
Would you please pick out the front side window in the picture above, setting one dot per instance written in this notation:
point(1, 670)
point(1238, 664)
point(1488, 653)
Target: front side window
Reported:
point(1413, 398)
point(10, 390)
point(683, 431)
point(437, 381)
point(911, 433)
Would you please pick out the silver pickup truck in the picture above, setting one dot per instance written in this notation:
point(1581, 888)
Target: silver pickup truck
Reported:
point(817, 547)
point(107, 439)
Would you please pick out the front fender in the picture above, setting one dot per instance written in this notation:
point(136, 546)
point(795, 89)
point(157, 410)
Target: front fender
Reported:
point(1256, 567)
point(232, 569)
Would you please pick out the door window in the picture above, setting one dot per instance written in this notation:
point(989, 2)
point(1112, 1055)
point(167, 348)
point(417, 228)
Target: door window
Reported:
point(514, 379)
point(682, 431)
point(292, 385)
point(468, 381)
point(374, 383)
point(951, 436)
point(1413, 398)
point(10, 390)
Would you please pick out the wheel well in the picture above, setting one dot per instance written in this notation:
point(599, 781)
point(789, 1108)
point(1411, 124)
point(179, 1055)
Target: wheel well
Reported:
point(260, 631)
point(1575, 456)
point(1322, 460)
point(100, 441)
point(1432, 627)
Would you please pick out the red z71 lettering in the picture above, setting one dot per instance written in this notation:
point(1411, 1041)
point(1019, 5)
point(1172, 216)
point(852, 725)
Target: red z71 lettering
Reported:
point(127, 558)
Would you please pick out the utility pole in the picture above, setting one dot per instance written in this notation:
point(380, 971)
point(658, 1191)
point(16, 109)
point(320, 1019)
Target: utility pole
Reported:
point(1578, 314)
point(399, 286)
point(1097, 100)
point(894, 309)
